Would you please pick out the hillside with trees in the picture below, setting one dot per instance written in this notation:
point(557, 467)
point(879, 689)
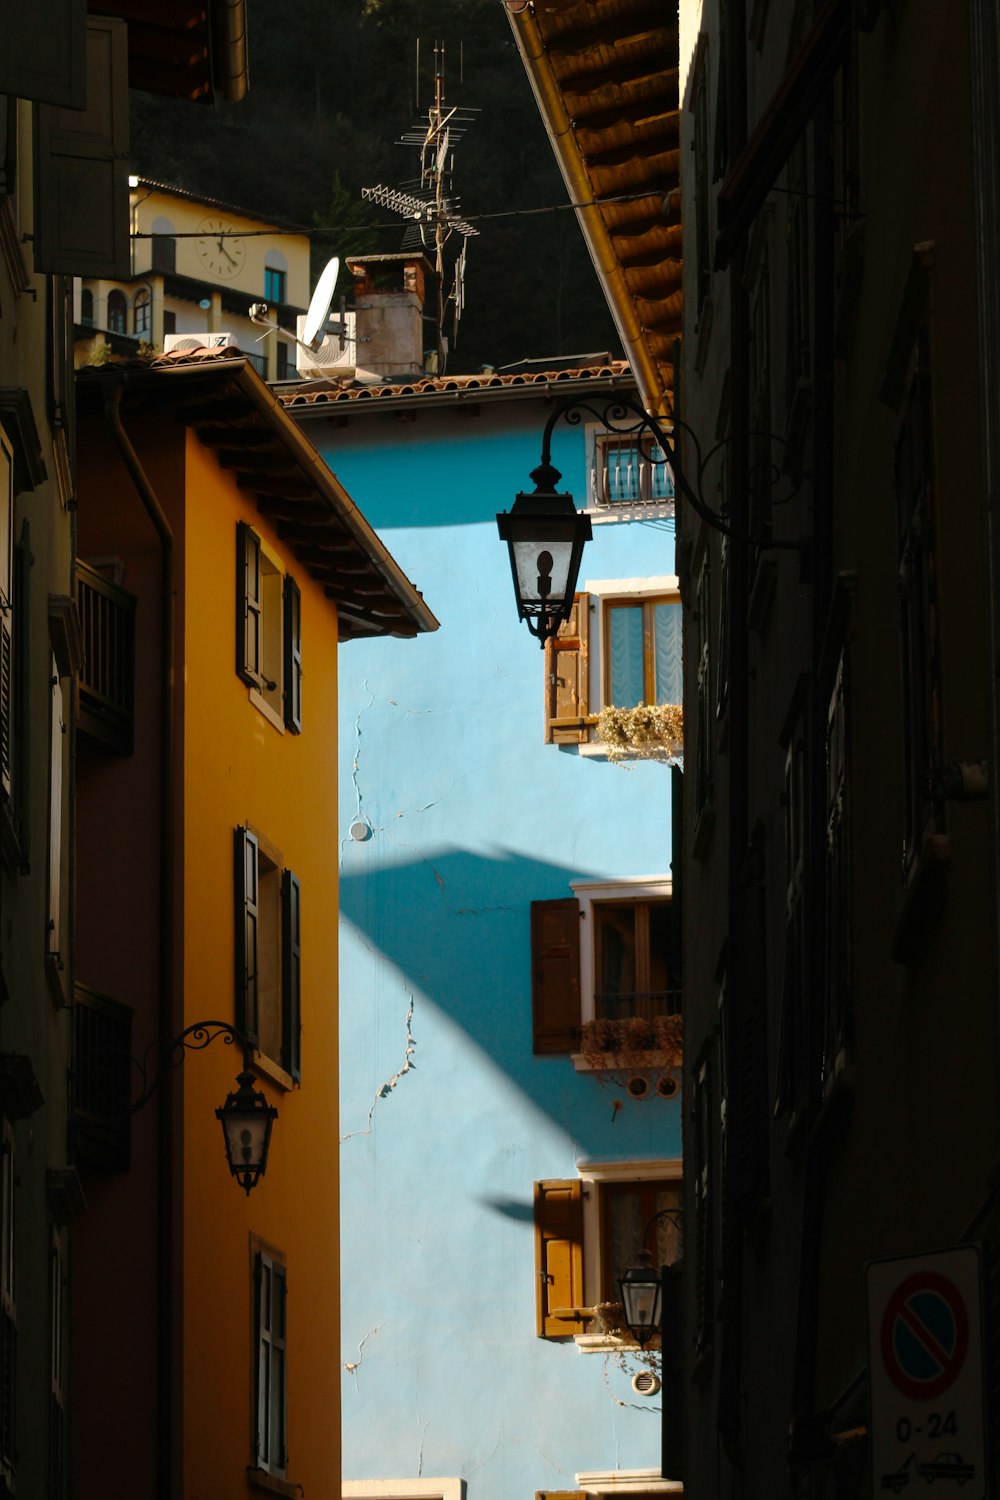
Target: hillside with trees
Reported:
point(333, 86)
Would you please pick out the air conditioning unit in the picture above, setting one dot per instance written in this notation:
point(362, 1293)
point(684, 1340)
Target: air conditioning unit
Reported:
point(187, 343)
point(329, 358)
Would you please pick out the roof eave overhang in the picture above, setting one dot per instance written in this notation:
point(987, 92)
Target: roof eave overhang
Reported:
point(650, 376)
point(236, 414)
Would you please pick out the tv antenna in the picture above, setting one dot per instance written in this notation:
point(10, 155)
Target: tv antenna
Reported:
point(434, 213)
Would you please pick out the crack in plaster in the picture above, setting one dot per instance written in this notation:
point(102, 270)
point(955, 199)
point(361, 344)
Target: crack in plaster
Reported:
point(352, 1366)
point(354, 764)
point(423, 1433)
point(385, 1088)
point(625, 1405)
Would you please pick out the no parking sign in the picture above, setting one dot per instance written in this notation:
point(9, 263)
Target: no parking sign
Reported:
point(926, 1374)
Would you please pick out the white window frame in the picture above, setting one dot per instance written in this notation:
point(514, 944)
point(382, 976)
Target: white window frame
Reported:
point(604, 592)
point(592, 1175)
point(587, 892)
point(615, 1484)
point(603, 511)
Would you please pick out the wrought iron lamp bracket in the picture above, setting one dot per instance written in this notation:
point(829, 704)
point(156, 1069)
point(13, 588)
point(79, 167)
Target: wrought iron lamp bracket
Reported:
point(193, 1038)
point(626, 418)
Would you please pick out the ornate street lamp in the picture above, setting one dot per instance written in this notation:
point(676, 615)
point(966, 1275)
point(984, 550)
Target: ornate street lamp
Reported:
point(246, 1119)
point(641, 1286)
point(545, 534)
point(640, 1293)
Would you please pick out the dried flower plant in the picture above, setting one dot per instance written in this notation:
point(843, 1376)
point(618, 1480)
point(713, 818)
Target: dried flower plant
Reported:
point(652, 731)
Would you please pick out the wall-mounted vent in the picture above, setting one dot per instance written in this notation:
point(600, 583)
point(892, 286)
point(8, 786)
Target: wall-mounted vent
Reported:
point(645, 1383)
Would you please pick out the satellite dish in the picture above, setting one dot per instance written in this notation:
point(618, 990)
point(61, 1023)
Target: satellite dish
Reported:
point(319, 306)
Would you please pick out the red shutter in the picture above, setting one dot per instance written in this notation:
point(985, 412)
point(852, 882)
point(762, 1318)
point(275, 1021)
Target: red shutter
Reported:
point(559, 1258)
point(555, 975)
point(567, 677)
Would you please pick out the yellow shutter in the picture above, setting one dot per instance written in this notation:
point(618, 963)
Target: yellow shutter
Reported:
point(567, 678)
point(559, 1258)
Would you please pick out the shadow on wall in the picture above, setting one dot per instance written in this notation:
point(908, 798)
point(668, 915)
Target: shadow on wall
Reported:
point(455, 925)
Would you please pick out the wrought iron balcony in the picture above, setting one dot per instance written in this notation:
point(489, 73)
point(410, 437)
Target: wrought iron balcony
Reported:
point(102, 1081)
point(106, 687)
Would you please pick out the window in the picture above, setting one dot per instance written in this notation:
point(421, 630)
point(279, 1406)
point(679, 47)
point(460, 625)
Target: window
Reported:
point(169, 323)
point(142, 313)
point(913, 483)
point(6, 616)
point(704, 758)
point(117, 312)
point(268, 631)
point(609, 952)
point(8, 1313)
point(629, 472)
point(704, 1122)
point(87, 307)
point(275, 284)
point(589, 1230)
point(164, 246)
point(268, 952)
point(642, 651)
point(632, 959)
point(636, 626)
point(792, 1080)
point(837, 882)
point(271, 1346)
point(703, 263)
point(57, 1365)
point(759, 476)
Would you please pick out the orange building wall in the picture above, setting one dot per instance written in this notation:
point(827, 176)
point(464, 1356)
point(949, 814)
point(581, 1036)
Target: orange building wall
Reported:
point(238, 768)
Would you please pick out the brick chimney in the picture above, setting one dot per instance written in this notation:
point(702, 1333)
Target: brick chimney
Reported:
point(389, 312)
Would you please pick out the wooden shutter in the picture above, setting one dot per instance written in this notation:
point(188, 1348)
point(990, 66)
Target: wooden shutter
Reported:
point(567, 677)
point(81, 167)
point(6, 615)
point(43, 52)
point(555, 975)
point(558, 1258)
point(748, 1152)
point(292, 648)
point(677, 876)
point(246, 871)
point(270, 1289)
point(249, 605)
point(291, 975)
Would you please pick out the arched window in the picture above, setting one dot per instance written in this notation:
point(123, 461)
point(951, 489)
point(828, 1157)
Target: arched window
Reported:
point(87, 307)
point(142, 312)
point(117, 312)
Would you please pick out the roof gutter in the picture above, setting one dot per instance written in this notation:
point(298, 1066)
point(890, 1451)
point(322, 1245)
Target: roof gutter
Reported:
point(230, 57)
point(559, 128)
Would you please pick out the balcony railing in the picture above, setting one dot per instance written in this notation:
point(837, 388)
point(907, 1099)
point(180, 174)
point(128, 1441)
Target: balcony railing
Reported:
point(106, 687)
point(643, 1005)
point(102, 1081)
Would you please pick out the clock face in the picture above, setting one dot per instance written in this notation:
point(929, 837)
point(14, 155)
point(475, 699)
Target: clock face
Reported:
point(221, 252)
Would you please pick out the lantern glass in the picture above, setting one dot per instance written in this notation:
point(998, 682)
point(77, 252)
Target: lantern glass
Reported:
point(640, 1293)
point(246, 1119)
point(545, 534)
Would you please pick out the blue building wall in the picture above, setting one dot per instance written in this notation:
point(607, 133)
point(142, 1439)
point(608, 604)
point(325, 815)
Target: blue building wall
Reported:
point(447, 1119)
